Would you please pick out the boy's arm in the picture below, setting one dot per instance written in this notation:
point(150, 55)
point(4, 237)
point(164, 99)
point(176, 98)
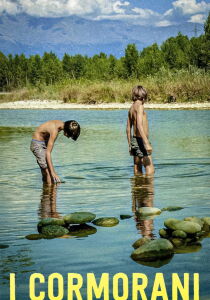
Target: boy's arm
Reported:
point(50, 145)
point(128, 132)
point(140, 112)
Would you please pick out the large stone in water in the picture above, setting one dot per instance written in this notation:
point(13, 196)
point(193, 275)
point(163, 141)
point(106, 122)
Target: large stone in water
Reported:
point(148, 211)
point(186, 226)
point(49, 221)
point(106, 222)
point(154, 250)
point(141, 242)
point(79, 218)
point(51, 231)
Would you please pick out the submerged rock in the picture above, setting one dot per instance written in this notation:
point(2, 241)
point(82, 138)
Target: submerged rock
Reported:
point(206, 225)
point(188, 248)
point(186, 226)
point(106, 222)
point(179, 234)
point(154, 250)
point(148, 211)
point(79, 218)
point(141, 242)
point(82, 230)
point(33, 237)
point(165, 233)
point(51, 231)
point(123, 217)
point(177, 242)
point(172, 208)
point(49, 221)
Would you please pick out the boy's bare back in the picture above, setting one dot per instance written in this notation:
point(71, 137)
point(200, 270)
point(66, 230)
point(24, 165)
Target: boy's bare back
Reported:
point(47, 129)
point(132, 115)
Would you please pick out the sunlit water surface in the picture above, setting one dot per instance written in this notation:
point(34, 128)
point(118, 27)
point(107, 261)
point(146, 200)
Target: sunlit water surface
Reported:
point(99, 178)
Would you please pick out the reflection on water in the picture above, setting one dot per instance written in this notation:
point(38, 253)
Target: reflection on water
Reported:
point(142, 190)
point(47, 208)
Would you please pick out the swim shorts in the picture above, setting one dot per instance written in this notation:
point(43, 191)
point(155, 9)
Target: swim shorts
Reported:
point(39, 150)
point(137, 147)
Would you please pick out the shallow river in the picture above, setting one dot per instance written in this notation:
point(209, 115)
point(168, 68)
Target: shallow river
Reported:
point(98, 176)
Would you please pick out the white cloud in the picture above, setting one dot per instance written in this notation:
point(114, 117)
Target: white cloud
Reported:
point(56, 8)
point(8, 6)
point(199, 18)
point(145, 13)
point(189, 7)
point(163, 23)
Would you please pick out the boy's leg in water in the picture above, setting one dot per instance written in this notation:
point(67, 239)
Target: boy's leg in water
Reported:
point(137, 166)
point(46, 178)
point(148, 164)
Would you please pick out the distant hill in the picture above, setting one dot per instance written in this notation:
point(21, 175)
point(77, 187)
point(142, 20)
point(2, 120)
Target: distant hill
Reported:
point(34, 35)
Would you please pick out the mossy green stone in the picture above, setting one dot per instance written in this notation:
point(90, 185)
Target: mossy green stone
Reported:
point(179, 234)
point(148, 211)
point(156, 249)
point(54, 231)
point(206, 226)
point(186, 226)
point(177, 242)
point(172, 208)
point(170, 223)
point(106, 222)
point(49, 221)
point(164, 233)
point(141, 242)
point(123, 217)
point(79, 218)
point(33, 237)
point(195, 220)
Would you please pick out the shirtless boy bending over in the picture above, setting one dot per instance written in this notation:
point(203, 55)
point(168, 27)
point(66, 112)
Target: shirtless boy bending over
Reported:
point(43, 141)
point(139, 145)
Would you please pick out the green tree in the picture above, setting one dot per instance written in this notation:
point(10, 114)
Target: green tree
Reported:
point(131, 61)
point(150, 60)
point(52, 68)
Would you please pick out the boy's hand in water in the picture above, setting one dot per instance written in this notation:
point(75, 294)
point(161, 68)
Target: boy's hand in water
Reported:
point(56, 179)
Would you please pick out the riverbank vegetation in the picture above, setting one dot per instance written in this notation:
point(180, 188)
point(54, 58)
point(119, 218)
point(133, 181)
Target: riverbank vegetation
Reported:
point(177, 70)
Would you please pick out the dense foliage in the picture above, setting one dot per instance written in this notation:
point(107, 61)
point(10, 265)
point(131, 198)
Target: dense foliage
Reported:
point(175, 53)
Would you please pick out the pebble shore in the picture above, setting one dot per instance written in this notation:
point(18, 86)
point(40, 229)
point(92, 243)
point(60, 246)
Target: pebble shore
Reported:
point(54, 104)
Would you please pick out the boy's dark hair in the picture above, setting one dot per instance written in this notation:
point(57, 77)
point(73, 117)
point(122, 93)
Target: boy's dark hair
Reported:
point(139, 93)
point(72, 129)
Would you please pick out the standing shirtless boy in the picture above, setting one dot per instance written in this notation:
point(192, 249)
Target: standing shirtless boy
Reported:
point(139, 145)
point(43, 141)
